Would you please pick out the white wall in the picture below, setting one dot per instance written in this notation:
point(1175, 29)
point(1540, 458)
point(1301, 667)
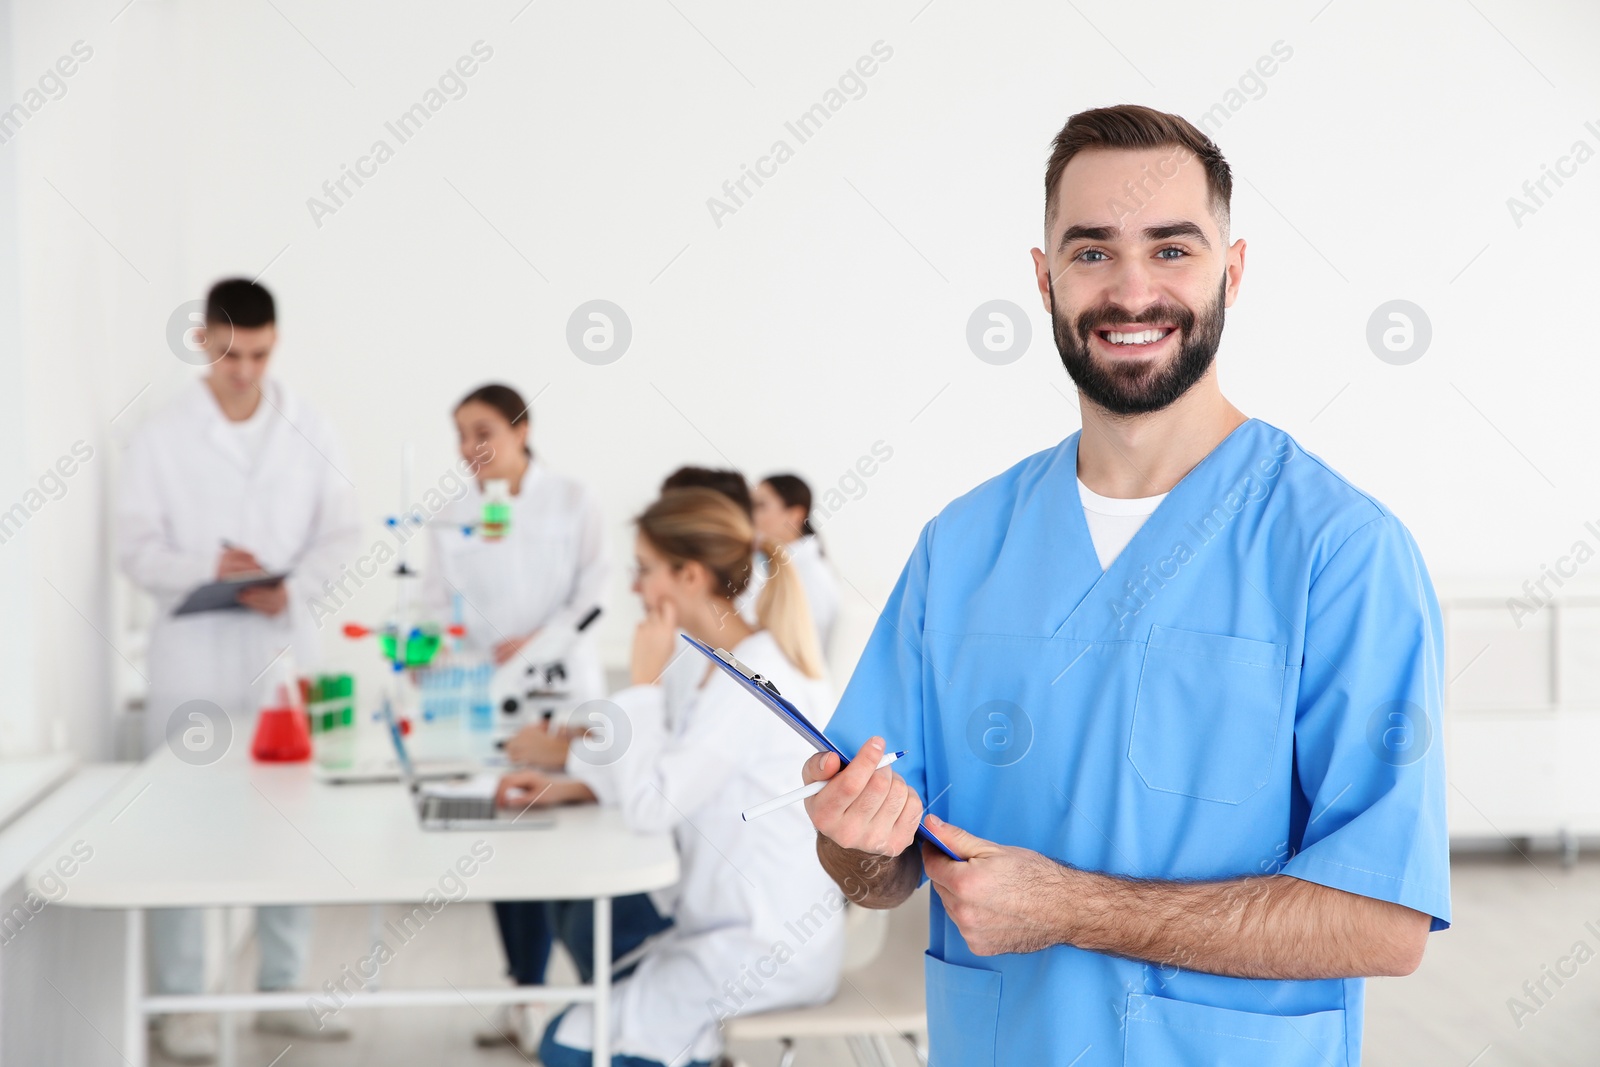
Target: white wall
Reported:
point(826, 313)
point(19, 726)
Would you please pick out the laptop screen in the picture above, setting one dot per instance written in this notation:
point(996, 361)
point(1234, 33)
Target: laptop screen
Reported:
point(386, 712)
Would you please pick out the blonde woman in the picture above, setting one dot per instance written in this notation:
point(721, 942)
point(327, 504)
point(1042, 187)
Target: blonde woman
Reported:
point(757, 924)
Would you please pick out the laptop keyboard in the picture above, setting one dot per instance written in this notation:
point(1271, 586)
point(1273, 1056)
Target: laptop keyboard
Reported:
point(436, 807)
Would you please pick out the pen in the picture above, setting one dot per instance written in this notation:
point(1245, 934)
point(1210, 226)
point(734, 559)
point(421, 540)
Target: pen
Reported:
point(803, 792)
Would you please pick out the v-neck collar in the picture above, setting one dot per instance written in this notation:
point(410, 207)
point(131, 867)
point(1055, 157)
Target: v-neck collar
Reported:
point(1202, 479)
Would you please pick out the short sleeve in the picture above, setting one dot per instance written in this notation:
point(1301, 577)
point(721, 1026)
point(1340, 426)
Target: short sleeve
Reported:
point(885, 693)
point(1369, 757)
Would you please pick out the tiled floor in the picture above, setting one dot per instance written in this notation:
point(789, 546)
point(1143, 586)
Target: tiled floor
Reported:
point(1513, 917)
point(457, 947)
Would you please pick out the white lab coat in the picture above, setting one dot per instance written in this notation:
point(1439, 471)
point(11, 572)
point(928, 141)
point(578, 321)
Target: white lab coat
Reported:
point(186, 485)
point(758, 924)
point(550, 569)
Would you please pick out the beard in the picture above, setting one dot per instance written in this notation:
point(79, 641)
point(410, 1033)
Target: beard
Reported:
point(1139, 388)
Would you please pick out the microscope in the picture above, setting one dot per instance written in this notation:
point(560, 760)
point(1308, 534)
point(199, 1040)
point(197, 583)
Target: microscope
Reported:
point(532, 684)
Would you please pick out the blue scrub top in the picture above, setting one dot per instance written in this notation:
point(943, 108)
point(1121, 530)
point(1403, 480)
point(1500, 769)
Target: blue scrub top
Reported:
point(1252, 687)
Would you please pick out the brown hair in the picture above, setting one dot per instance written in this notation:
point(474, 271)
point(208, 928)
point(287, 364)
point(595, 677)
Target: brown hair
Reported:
point(242, 303)
point(1133, 126)
point(729, 483)
point(705, 526)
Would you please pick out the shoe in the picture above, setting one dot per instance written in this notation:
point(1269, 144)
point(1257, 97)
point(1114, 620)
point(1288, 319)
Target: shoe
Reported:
point(188, 1037)
point(519, 1025)
point(297, 1022)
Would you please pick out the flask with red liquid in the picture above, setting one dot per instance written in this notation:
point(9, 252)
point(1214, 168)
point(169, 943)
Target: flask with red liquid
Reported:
point(281, 732)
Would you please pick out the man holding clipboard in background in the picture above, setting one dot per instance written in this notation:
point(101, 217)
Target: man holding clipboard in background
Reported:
point(1173, 686)
point(235, 477)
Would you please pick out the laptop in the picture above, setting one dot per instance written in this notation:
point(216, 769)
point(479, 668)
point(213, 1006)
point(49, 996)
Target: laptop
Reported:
point(465, 805)
point(371, 770)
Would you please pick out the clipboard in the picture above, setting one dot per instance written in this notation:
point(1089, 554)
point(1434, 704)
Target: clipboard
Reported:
point(768, 694)
point(223, 594)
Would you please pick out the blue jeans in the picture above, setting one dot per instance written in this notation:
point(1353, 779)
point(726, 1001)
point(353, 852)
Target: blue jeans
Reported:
point(526, 934)
point(529, 927)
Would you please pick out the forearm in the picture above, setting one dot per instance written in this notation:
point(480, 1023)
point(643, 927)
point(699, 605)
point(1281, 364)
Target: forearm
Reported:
point(144, 551)
point(1273, 927)
point(869, 879)
point(162, 571)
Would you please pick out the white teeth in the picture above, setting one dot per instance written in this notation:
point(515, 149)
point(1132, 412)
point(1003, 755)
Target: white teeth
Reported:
point(1143, 337)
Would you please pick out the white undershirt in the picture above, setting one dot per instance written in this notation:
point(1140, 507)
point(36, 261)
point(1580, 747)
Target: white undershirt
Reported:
point(251, 433)
point(1113, 520)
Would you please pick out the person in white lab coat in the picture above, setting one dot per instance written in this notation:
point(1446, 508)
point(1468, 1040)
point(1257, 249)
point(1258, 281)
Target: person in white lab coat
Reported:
point(235, 475)
point(782, 511)
point(528, 928)
point(550, 568)
point(682, 673)
point(756, 925)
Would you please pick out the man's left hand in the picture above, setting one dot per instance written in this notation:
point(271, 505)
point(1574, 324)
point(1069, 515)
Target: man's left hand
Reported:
point(1002, 899)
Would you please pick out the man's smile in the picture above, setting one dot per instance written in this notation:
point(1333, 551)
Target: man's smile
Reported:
point(1137, 340)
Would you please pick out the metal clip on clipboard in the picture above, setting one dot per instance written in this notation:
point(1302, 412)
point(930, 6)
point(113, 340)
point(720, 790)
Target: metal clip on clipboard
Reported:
point(768, 694)
point(727, 657)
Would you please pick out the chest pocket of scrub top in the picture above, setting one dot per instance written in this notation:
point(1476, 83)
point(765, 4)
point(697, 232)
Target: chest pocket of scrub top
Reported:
point(1205, 721)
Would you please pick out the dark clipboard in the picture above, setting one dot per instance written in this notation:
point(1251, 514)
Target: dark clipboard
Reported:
point(768, 694)
point(223, 594)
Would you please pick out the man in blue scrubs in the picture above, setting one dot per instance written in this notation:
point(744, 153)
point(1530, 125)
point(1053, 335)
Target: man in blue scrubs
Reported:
point(1171, 688)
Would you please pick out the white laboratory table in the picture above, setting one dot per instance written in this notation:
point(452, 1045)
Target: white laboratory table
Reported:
point(237, 832)
point(23, 781)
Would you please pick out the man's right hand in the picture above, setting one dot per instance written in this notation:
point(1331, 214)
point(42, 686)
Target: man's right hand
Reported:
point(236, 561)
point(863, 807)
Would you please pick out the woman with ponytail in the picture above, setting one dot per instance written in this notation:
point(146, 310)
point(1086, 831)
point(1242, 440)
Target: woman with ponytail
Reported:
point(782, 511)
point(757, 924)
